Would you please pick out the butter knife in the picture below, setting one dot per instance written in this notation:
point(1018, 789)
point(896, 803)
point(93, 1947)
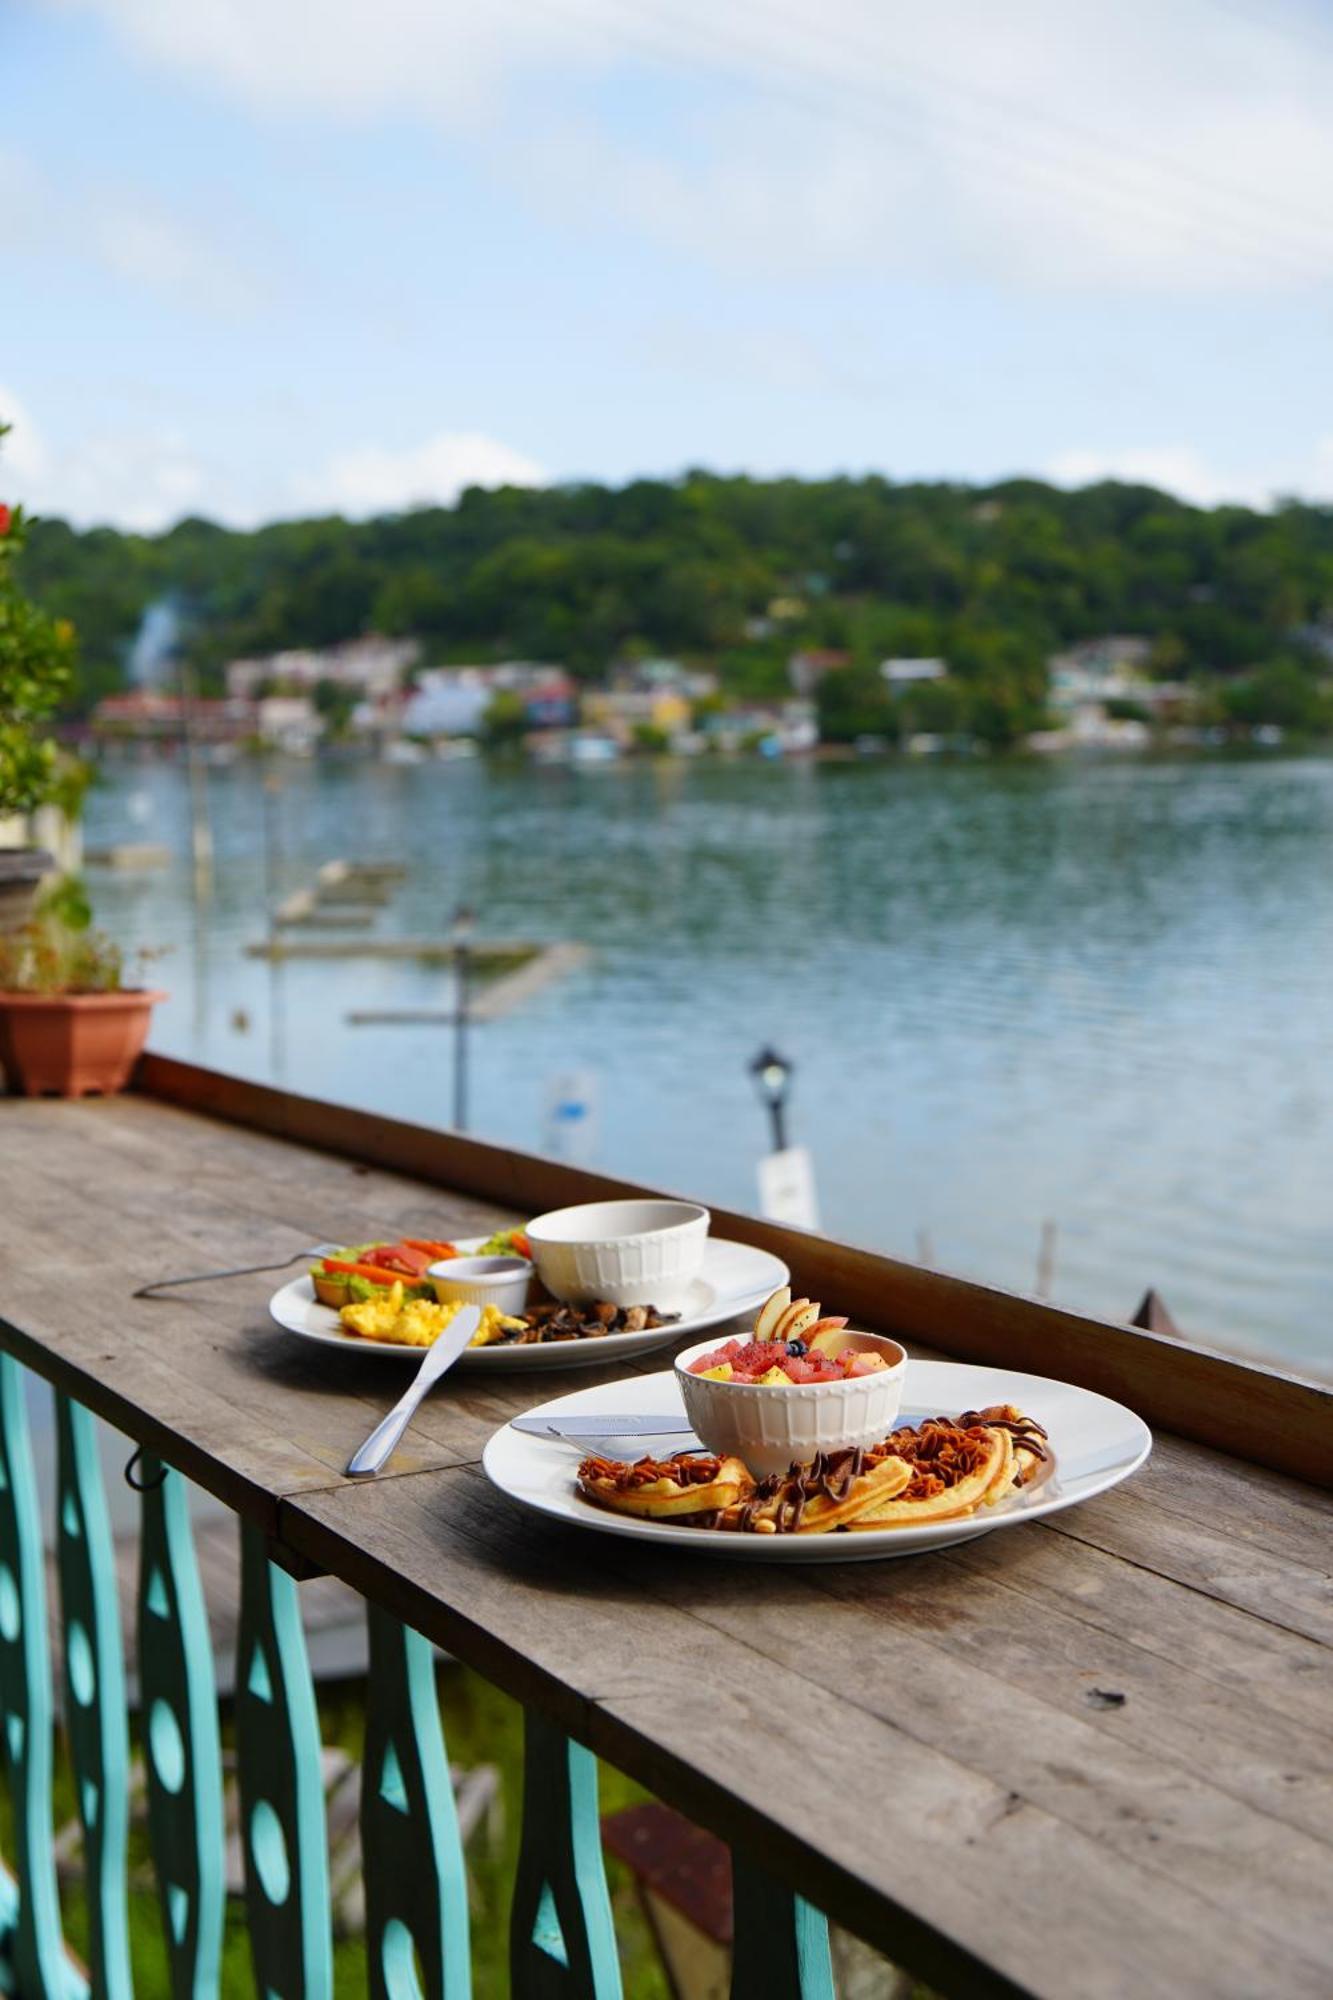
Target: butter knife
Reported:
point(442, 1353)
point(602, 1427)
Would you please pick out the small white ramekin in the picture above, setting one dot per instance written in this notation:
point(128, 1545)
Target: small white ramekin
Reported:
point(770, 1426)
point(629, 1253)
point(503, 1282)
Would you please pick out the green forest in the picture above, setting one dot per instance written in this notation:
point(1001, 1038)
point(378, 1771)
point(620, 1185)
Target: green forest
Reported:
point(992, 578)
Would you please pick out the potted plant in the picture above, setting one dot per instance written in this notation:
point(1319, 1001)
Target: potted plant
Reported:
point(69, 1026)
point(36, 660)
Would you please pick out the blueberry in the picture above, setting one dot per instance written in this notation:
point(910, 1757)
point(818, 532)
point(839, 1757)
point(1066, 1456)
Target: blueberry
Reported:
point(797, 1347)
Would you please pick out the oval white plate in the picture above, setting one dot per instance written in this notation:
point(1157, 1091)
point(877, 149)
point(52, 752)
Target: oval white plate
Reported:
point(1095, 1443)
point(735, 1279)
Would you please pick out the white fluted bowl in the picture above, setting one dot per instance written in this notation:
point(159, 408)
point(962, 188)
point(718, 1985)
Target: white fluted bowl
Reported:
point(770, 1426)
point(630, 1253)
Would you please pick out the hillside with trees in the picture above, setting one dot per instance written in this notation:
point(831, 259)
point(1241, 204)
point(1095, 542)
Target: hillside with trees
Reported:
point(737, 573)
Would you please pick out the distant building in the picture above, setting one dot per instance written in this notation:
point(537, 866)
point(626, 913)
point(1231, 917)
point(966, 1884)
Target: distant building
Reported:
point(910, 673)
point(452, 701)
point(661, 676)
point(1092, 729)
point(552, 703)
point(373, 665)
point(1107, 653)
point(523, 675)
point(143, 715)
point(779, 729)
point(582, 748)
point(1110, 668)
point(289, 722)
point(808, 668)
point(447, 701)
point(1085, 677)
point(619, 711)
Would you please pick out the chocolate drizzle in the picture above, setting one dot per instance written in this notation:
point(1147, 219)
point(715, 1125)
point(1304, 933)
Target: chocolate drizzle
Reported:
point(1023, 1430)
point(782, 1498)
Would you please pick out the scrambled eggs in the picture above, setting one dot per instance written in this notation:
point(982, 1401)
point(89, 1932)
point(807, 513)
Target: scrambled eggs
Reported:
point(420, 1321)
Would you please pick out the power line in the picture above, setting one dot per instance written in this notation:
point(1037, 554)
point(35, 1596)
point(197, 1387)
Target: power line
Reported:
point(865, 99)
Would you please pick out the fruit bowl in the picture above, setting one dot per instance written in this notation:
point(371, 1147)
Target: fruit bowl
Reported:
point(770, 1424)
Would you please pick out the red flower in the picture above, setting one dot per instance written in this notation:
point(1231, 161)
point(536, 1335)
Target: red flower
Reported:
point(6, 516)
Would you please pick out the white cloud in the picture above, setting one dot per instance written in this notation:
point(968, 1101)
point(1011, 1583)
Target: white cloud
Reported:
point(143, 478)
point(24, 464)
point(147, 476)
point(1175, 468)
point(1046, 142)
point(349, 59)
point(1184, 471)
point(148, 248)
point(127, 232)
point(371, 480)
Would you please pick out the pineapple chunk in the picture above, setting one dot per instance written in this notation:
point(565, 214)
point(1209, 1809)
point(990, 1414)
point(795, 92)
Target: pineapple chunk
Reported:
point(722, 1373)
point(776, 1378)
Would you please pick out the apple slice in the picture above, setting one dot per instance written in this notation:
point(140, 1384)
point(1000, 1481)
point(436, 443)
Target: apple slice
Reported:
point(771, 1312)
point(816, 1336)
point(798, 1316)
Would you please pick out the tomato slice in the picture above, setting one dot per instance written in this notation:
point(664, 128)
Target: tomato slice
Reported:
point(376, 1273)
point(432, 1250)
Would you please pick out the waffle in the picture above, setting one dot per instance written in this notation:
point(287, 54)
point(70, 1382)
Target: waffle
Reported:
point(952, 1468)
point(830, 1492)
point(665, 1488)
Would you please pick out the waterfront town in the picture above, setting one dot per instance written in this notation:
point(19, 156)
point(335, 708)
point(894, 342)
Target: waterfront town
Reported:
point(374, 695)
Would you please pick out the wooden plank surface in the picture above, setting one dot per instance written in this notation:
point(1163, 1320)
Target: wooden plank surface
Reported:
point(927, 1757)
point(926, 1747)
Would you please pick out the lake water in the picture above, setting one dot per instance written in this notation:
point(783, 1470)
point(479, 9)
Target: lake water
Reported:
point(1095, 994)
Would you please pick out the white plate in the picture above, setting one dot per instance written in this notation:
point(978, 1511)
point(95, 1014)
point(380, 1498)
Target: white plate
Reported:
point(735, 1279)
point(1095, 1443)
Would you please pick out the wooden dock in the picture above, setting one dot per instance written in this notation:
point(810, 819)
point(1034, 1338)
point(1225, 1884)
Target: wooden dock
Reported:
point(345, 895)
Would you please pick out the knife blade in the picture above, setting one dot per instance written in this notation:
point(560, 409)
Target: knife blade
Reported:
point(440, 1356)
point(600, 1426)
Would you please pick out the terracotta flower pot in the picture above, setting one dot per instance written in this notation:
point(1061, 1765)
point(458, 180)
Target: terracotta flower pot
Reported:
point(73, 1044)
point(21, 871)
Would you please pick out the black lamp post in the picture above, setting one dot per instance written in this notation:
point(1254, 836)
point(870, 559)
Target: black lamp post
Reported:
point(772, 1074)
point(461, 932)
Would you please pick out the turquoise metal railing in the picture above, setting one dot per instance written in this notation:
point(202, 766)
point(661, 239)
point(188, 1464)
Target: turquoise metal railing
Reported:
point(562, 1941)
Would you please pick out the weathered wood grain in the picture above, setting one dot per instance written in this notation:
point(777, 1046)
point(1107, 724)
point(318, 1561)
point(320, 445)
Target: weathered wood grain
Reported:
point(1267, 1667)
point(1265, 1510)
point(1294, 1595)
point(918, 1746)
point(967, 1827)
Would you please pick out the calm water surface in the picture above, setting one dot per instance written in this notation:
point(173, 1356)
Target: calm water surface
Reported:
point(1099, 994)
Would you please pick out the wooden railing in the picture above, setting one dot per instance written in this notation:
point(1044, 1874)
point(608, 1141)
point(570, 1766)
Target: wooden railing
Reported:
point(562, 1940)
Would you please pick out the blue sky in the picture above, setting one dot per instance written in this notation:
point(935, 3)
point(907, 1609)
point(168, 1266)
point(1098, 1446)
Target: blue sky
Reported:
point(264, 258)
